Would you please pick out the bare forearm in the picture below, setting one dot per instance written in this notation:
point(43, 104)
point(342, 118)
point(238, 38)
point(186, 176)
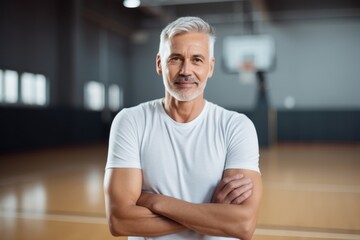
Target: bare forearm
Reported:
point(122, 188)
point(139, 221)
point(209, 219)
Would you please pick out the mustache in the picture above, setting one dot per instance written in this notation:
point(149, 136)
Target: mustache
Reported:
point(187, 79)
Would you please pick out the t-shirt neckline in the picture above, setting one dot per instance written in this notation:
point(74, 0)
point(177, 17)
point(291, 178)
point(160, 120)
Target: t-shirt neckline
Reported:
point(187, 124)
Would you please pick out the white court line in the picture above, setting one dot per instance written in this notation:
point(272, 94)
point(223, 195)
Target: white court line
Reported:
point(54, 217)
point(306, 234)
point(102, 220)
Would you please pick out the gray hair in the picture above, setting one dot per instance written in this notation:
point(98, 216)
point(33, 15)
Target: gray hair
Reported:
point(187, 25)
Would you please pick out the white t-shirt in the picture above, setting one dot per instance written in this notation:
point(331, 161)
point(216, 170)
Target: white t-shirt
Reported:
point(182, 160)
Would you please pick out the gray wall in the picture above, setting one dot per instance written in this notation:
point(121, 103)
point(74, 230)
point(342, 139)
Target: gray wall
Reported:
point(318, 63)
point(100, 56)
point(53, 38)
point(28, 37)
point(144, 83)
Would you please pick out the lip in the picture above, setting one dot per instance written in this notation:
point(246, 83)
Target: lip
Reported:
point(185, 84)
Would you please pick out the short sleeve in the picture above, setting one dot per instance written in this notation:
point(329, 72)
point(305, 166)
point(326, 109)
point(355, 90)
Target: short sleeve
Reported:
point(123, 149)
point(243, 148)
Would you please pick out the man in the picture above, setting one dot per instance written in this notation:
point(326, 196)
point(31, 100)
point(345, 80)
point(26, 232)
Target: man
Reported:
point(181, 167)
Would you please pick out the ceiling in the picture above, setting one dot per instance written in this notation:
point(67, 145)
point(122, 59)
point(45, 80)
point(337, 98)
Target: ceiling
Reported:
point(225, 11)
point(157, 13)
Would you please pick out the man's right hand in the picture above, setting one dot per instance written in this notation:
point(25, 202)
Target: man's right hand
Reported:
point(233, 189)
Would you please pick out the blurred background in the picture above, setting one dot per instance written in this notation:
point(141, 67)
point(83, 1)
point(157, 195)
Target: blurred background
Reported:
point(68, 66)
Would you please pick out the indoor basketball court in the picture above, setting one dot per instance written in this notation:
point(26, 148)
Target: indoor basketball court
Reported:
point(311, 191)
point(68, 67)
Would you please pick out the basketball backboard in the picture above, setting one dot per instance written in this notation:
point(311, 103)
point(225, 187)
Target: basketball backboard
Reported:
point(258, 50)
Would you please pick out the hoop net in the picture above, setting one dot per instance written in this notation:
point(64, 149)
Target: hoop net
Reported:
point(247, 72)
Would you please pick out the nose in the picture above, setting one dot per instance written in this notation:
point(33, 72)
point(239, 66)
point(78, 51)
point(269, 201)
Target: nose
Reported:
point(185, 68)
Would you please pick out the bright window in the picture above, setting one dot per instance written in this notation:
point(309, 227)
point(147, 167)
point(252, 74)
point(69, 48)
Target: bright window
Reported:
point(1, 85)
point(27, 88)
point(10, 86)
point(33, 89)
point(94, 95)
point(40, 89)
point(115, 97)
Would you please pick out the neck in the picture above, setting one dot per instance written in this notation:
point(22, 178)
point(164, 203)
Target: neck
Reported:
point(183, 112)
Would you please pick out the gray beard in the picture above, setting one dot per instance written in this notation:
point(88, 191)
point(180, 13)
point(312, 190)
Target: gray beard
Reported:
point(183, 95)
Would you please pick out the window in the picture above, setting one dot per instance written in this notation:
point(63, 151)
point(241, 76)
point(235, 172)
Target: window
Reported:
point(27, 88)
point(94, 95)
point(32, 88)
point(115, 97)
point(40, 89)
point(1, 86)
point(10, 86)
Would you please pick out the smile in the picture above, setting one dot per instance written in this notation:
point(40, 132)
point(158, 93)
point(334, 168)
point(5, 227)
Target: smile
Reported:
point(185, 83)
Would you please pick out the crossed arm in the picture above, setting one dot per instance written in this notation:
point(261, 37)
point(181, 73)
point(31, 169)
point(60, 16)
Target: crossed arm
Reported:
point(232, 213)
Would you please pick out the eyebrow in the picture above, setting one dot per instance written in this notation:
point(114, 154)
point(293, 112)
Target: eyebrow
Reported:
point(193, 56)
point(198, 56)
point(175, 55)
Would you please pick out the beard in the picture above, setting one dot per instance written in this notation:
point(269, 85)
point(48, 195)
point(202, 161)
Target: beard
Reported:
point(185, 94)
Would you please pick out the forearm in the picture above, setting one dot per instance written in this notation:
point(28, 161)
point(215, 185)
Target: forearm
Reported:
point(226, 220)
point(122, 188)
point(139, 221)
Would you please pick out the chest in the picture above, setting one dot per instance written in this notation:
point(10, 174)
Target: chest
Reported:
point(186, 163)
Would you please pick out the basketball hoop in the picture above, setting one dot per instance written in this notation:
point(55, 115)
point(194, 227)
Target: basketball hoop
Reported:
point(247, 72)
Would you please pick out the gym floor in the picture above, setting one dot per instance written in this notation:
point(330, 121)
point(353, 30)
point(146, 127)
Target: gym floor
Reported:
point(311, 191)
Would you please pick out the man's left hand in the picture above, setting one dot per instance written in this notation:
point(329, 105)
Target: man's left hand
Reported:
point(233, 189)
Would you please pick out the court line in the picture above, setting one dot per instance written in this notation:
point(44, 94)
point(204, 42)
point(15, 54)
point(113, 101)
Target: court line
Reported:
point(54, 217)
point(102, 220)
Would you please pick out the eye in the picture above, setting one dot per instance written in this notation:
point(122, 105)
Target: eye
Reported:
point(198, 60)
point(174, 59)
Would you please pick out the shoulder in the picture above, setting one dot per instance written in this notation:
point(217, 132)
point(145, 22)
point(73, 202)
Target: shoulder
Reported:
point(136, 114)
point(138, 111)
point(227, 117)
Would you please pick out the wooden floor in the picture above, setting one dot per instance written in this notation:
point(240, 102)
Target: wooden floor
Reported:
point(311, 191)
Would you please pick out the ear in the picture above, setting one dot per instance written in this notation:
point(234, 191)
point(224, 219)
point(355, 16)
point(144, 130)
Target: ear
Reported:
point(211, 67)
point(158, 64)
